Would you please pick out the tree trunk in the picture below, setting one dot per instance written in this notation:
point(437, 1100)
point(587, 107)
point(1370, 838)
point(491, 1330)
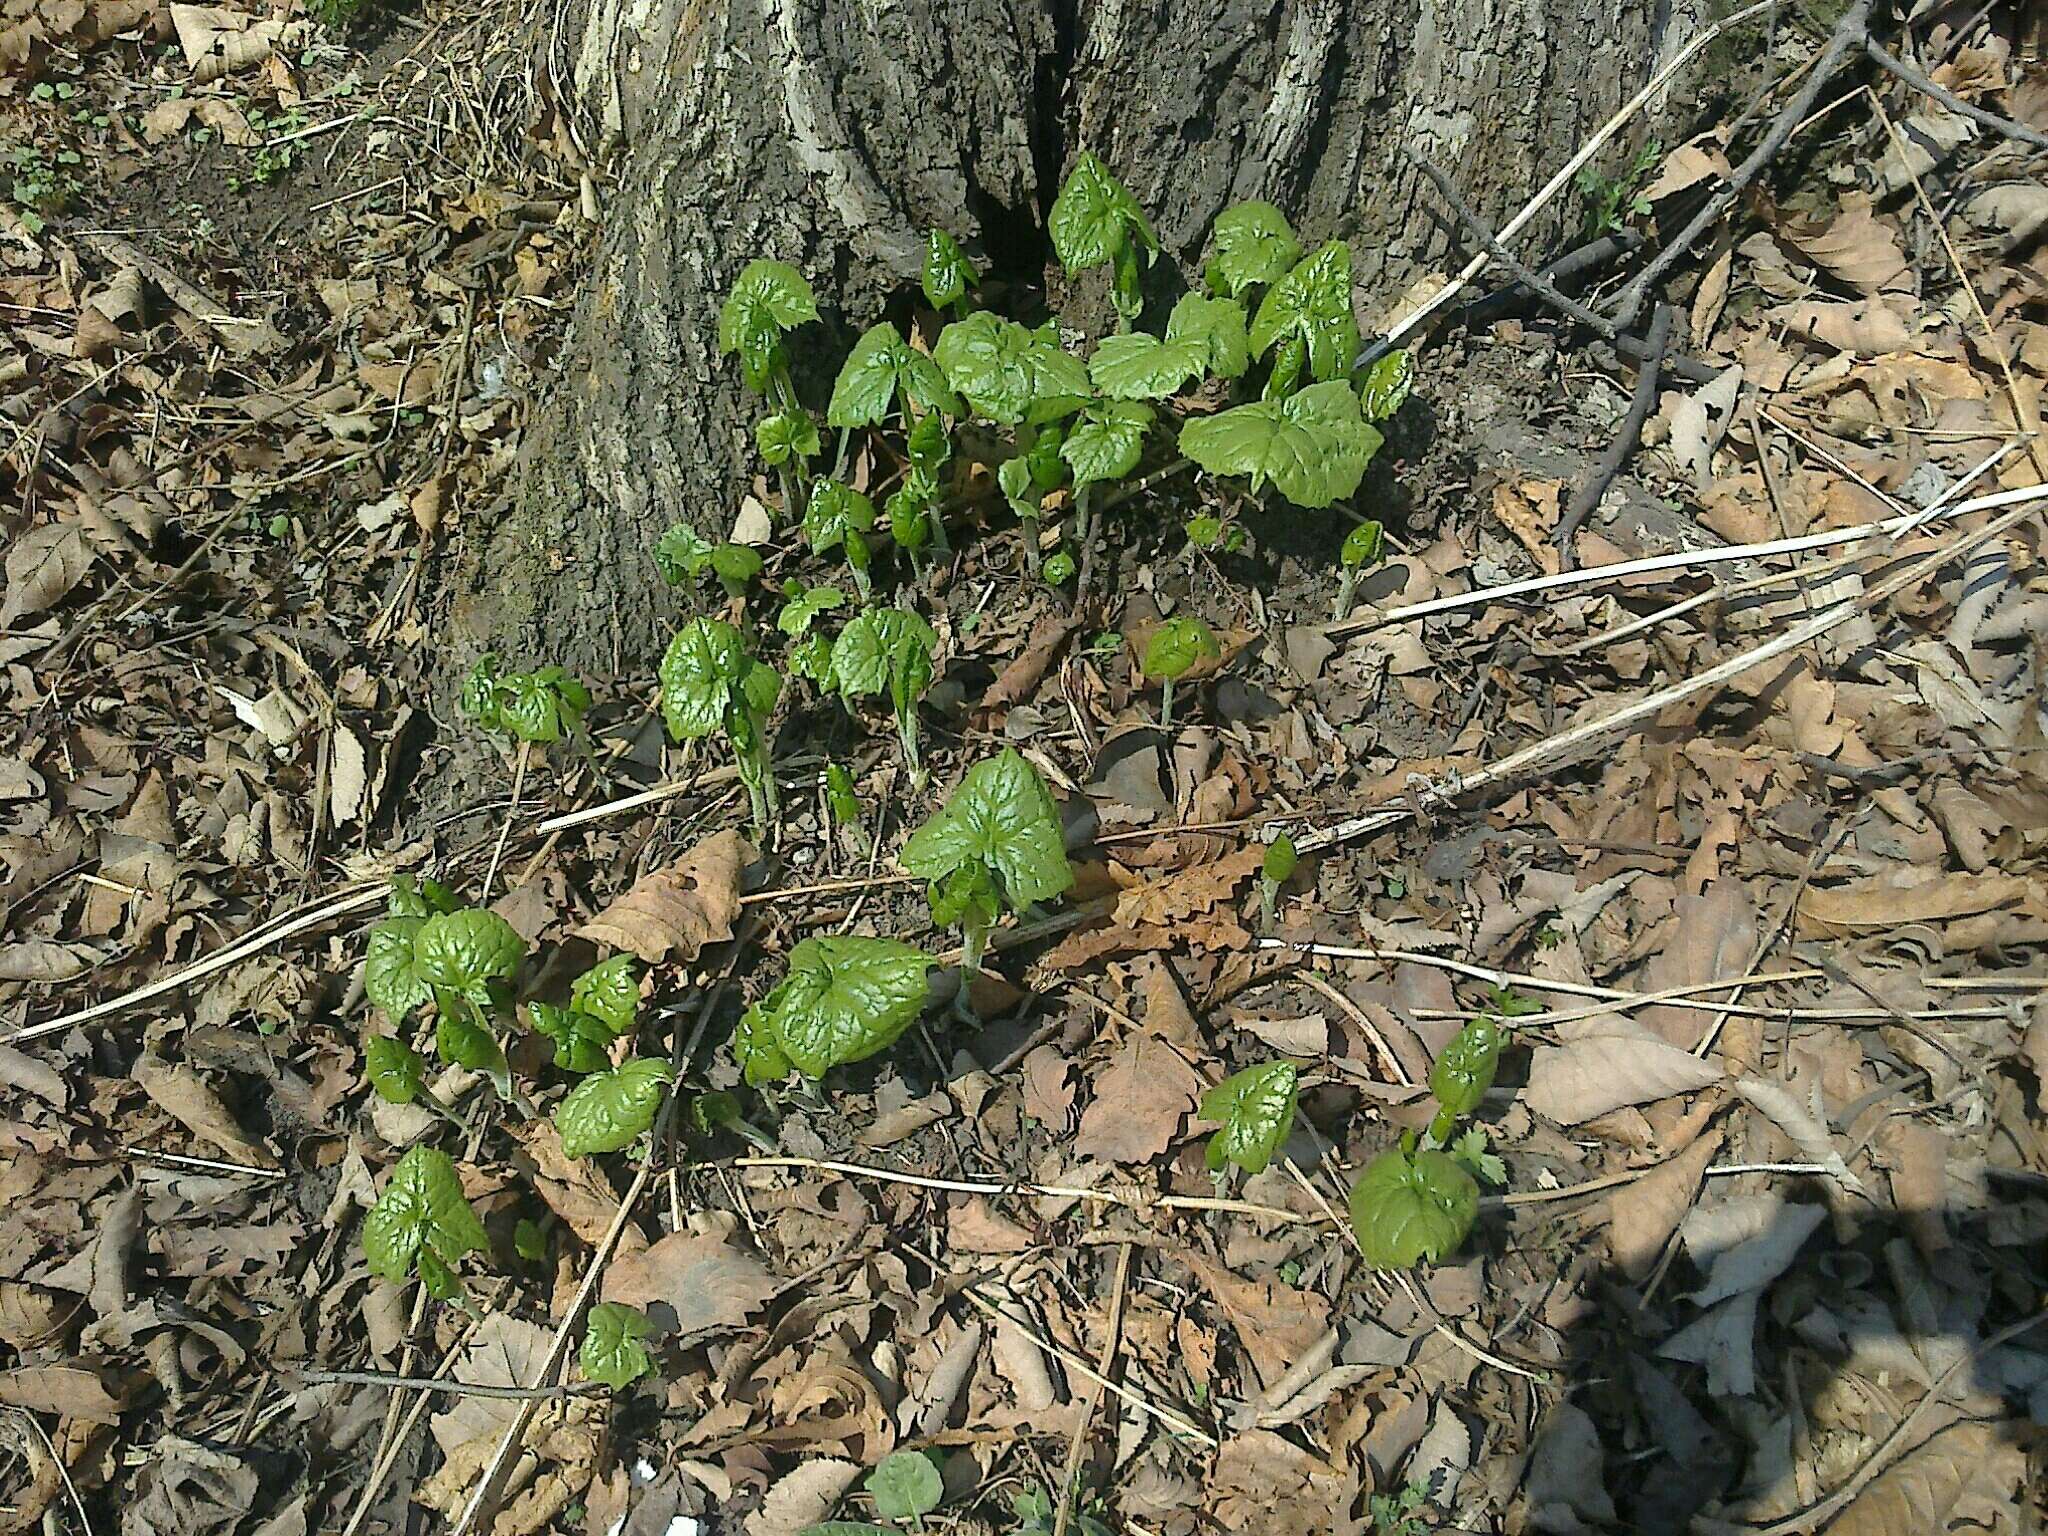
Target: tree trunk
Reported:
point(833, 133)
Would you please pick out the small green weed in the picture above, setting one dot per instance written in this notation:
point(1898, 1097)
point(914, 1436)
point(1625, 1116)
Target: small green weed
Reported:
point(42, 185)
point(1611, 201)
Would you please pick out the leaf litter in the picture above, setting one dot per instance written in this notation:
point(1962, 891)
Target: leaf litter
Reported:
point(1785, 942)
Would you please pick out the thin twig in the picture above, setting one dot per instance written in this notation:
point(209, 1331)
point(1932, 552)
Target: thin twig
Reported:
point(1626, 439)
point(1358, 1016)
point(1068, 1494)
point(1848, 34)
point(2019, 133)
point(511, 816)
point(437, 1384)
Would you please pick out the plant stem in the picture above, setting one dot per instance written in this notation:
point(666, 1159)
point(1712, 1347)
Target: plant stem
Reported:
point(906, 731)
point(1031, 554)
point(1441, 1127)
point(1166, 705)
point(1347, 582)
point(839, 459)
point(511, 815)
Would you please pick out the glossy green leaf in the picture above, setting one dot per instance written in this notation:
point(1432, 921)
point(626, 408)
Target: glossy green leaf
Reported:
point(1003, 815)
point(1408, 1206)
point(845, 998)
point(1385, 386)
point(542, 706)
point(1108, 441)
point(391, 976)
point(769, 298)
point(609, 990)
point(1009, 373)
point(614, 1353)
point(1465, 1070)
point(1179, 645)
point(1312, 303)
point(806, 607)
point(478, 700)
point(421, 1216)
point(1059, 568)
point(787, 436)
point(840, 798)
point(1216, 329)
point(965, 898)
point(1313, 445)
point(704, 669)
point(735, 565)
point(422, 898)
point(905, 1486)
point(1254, 244)
point(464, 950)
point(948, 274)
point(607, 1110)
point(881, 365)
point(835, 514)
point(1135, 366)
point(682, 555)
point(758, 1049)
point(1094, 218)
point(469, 1043)
point(394, 1068)
point(910, 517)
point(582, 1041)
point(1278, 867)
point(928, 446)
point(1255, 1109)
point(1204, 532)
point(1363, 545)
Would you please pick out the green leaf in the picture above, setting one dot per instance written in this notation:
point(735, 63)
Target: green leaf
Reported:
point(605, 1111)
point(1313, 303)
point(1059, 568)
point(965, 898)
point(705, 665)
point(840, 797)
point(1094, 217)
point(1216, 328)
point(1470, 1149)
point(421, 1215)
point(948, 274)
point(803, 610)
point(758, 1049)
point(394, 1068)
point(909, 514)
point(582, 1041)
point(1255, 1107)
point(1254, 244)
point(613, 1354)
point(864, 655)
point(682, 555)
point(466, 1042)
point(1313, 445)
point(881, 364)
point(1178, 645)
point(1465, 1070)
point(609, 990)
point(769, 298)
point(479, 699)
point(1135, 366)
point(905, 1486)
point(1407, 1207)
point(787, 436)
point(1204, 532)
point(1003, 815)
point(835, 514)
point(421, 899)
point(1009, 373)
point(1385, 386)
point(845, 998)
point(735, 565)
point(391, 974)
point(1363, 545)
point(1108, 442)
point(1280, 860)
point(463, 951)
point(928, 446)
point(541, 706)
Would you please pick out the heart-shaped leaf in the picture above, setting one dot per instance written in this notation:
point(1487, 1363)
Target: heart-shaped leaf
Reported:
point(465, 951)
point(613, 1353)
point(422, 898)
point(582, 1041)
point(394, 1068)
point(881, 364)
point(421, 1216)
point(845, 998)
point(770, 297)
point(605, 1111)
point(787, 436)
point(1313, 445)
point(1095, 217)
point(682, 555)
point(1178, 645)
point(610, 990)
point(1108, 441)
point(1385, 386)
point(1010, 373)
point(1002, 815)
point(836, 513)
point(1254, 244)
point(391, 976)
point(948, 274)
point(875, 647)
point(704, 673)
point(1312, 303)
point(905, 1486)
point(1465, 1070)
point(758, 1049)
point(1217, 329)
point(1255, 1107)
point(1410, 1206)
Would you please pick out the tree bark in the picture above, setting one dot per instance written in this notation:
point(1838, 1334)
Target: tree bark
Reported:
point(833, 133)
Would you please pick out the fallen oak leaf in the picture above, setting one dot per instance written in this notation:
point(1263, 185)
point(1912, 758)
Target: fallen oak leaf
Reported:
point(1140, 1104)
point(679, 909)
point(700, 1278)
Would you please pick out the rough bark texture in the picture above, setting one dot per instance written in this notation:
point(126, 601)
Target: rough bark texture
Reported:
point(832, 133)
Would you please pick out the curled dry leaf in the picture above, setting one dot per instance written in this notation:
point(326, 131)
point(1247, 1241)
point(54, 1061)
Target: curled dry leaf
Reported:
point(42, 567)
point(183, 1095)
point(708, 1283)
point(1643, 1215)
point(1140, 1104)
point(1606, 1062)
point(678, 910)
point(804, 1498)
point(1807, 1130)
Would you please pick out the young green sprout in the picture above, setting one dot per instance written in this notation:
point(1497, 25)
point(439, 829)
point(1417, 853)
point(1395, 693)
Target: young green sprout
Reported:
point(948, 274)
point(1095, 220)
point(1277, 870)
point(1175, 649)
point(1059, 567)
point(888, 651)
point(841, 802)
point(1362, 547)
point(710, 683)
point(533, 708)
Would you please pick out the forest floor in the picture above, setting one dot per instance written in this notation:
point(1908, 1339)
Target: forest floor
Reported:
point(1762, 839)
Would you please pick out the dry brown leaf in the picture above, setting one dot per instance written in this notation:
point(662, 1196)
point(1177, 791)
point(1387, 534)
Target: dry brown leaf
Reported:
point(218, 41)
point(1139, 1104)
point(1970, 1460)
point(1806, 1129)
point(1888, 902)
point(1917, 1156)
point(1643, 1215)
point(183, 1095)
point(1190, 893)
point(69, 1391)
point(702, 1278)
point(803, 1498)
point(977, 1227)
point(1866, 327)
point(43, 565)
point(680, 909)
point(1529, 510)
point(505, 1351)
point(1605, 1062)
point(1855, 247)
point(1276, 1324)
point(1016, 680)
